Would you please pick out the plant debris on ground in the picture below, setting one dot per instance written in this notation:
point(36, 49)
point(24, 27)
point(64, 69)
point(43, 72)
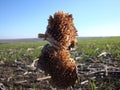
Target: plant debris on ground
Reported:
point(98, 66)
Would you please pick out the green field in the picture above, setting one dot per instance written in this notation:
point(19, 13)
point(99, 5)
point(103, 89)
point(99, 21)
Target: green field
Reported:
point(87, 49)
point(91, 47)
point(13, 51)
point(94, 46)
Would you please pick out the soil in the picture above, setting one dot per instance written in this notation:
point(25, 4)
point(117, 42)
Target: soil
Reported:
point(19, 75)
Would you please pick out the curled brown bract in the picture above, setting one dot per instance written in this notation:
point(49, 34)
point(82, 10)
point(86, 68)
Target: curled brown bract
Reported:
point(61, 29)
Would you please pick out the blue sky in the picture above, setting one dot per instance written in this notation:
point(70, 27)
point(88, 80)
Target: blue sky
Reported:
point(27, 18)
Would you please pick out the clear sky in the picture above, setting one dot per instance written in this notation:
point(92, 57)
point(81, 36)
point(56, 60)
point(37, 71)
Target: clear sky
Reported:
point(27, 18)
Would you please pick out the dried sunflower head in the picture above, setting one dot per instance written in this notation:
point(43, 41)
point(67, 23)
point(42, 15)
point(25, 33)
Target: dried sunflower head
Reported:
point(61, 31)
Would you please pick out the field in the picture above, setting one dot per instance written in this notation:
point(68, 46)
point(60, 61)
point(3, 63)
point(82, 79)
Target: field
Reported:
point(98, 61)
